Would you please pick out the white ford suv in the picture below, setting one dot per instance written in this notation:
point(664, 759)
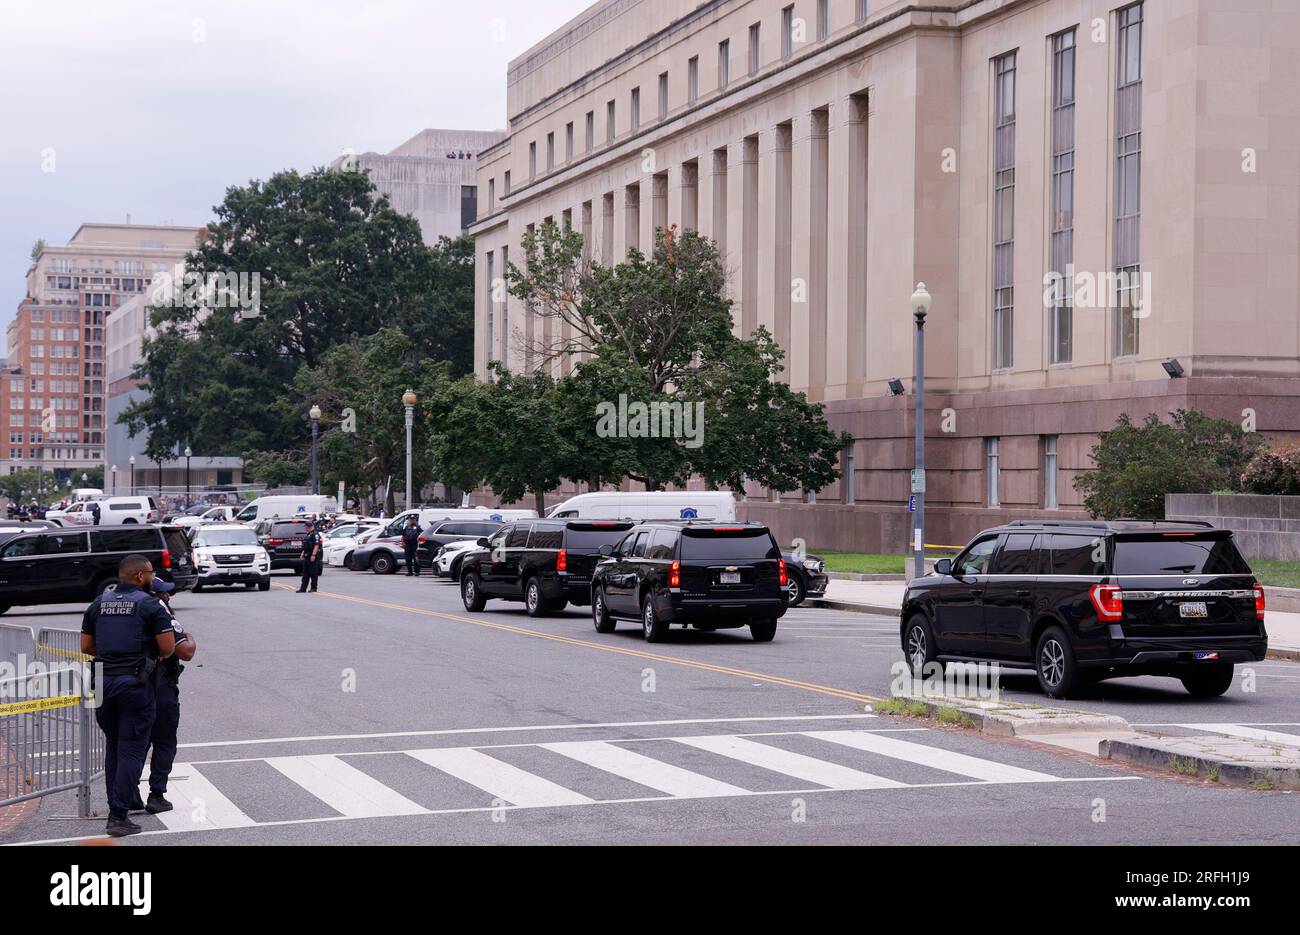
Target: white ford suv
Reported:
point(228, 553)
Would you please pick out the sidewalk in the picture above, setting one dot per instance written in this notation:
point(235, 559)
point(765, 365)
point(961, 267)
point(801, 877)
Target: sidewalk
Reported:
point(886, 597)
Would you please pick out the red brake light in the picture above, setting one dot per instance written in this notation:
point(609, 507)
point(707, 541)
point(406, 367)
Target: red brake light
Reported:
point(274, 541)
point(675, 575)
point(728, 528)
point(1108, 601)
point(562, 560)
point(167, 559)
point(780, 565)
point(422, 539)
point(1259, 601)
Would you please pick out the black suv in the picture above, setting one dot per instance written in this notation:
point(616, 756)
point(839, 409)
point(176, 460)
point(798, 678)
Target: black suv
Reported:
point(455, 530)
point(1083, 601)
point(282, 539)
point(56, 566)
point(705, 575)
point(547, 564)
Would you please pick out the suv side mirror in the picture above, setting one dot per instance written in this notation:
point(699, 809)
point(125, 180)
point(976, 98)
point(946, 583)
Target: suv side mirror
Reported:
point(606, 550)
point(483, 542)
point(943, 566)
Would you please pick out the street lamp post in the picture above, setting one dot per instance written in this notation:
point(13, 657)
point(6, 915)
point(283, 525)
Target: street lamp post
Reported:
point(408, 400)
point(314, 413)
point(131, 461)
point(113, 469)
point(188, 452)
point(920, 308)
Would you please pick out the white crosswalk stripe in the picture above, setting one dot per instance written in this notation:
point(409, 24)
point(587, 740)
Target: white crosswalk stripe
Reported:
point(804, 768)
point(197, 805)
point(498, 778)
point(647, 771)
point(946, 760)
point(343, 787)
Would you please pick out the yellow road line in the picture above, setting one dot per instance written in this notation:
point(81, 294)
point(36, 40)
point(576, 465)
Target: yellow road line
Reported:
point(621, 650)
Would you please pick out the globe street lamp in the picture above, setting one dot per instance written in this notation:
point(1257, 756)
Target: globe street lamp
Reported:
point(314, 413)
point(188, 452)
point(131, 461)
point(920, 308)
point(408, 400)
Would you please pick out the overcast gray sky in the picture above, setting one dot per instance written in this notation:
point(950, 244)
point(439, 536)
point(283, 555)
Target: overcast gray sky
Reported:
point(154, 108)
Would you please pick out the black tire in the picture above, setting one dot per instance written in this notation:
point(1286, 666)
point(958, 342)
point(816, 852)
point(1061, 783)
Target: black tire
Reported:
point(129, 522)
point(264, 584)
point(763, 630)
point(347, 562)
point(381, 563)
point(454, 572)
point(797, 592)
point(1208, 681)
point(4, 608)
point(919, 649)
point(471, 593)
point(197, 589)
point(249, 585)
point(600, 615)
point(103, 585)
point(1055, 665)
point(655, 630)
point(534, 601)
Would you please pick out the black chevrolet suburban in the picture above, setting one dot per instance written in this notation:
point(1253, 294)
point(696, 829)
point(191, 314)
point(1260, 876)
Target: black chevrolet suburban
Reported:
point(547, 564)
point(1084, 601)
point(708, 575)
point(56, 566)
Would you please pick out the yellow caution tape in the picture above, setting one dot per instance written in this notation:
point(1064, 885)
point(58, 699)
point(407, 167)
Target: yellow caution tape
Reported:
point(39, 704)
point(65, 653)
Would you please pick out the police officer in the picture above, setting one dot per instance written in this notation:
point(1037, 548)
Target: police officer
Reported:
point(94, 511)
point(311, 547)
point(128, 632)
point(167, 692)
point(411, 545)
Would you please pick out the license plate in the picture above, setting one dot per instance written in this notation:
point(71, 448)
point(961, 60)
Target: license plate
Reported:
point(1196, 609)
point(729, 577)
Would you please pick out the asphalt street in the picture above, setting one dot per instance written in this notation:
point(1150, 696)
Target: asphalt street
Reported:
point(380, 711)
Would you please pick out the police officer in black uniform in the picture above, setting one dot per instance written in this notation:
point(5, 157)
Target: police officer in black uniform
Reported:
point(127, 630)
point(311, 549)
point(411, 544)
point(167, 691)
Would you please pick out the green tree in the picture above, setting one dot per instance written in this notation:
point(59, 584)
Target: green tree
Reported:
point(334, 260)
point(1138, 464)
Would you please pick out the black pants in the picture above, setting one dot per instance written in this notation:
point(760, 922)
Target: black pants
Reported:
point(163, 737)
point(412, 559)
point(310, 575)
point(125, 715)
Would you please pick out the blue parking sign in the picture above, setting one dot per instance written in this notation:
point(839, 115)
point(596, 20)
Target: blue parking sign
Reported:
point(911, 503)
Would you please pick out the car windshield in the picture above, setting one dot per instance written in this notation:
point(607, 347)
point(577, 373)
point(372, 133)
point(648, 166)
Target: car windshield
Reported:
point(343, 531)
point(747, 545)
point(219, 537)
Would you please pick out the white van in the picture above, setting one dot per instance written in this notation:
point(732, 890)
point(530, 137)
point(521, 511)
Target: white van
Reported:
point(428, 515)
point(87, 493)
point(287, 507)
point(715, 505)
point(113, 511)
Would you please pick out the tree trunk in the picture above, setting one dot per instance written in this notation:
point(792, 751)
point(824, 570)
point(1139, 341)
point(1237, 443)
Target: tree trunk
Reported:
point(539, 500)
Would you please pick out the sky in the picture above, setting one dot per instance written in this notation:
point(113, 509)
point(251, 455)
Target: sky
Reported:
point(154, 107)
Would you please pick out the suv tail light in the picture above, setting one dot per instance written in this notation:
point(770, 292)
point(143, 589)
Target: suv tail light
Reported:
point(274, 541)
point(780, 567)
point(422, 539)
point(562, 560)
point(675, 575)
point(1259, 601)
point(167, 562)
point(1108, 601)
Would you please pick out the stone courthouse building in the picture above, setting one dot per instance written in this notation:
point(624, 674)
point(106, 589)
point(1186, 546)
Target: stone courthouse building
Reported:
point(1095, 193)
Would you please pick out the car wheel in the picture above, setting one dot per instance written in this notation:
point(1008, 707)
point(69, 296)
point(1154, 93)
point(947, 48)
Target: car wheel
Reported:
point(347, 562)
point(763, 630)
point(918, 645)
point(534, 602)
point(655, 629)
point(129, 522)
point(1208, 682)
point(471, 593)
point(454, 573)
point(600, 615)
point(264, 584)
point(249, 585)
point(383, 564)
point(4, 608)
point(1058, 673)
point(796, 593)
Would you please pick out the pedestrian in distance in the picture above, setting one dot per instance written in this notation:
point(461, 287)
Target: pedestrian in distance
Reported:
point(411, 545)
point(94, 512)
point(310, 556)
point(167, 719)
point(128, 632)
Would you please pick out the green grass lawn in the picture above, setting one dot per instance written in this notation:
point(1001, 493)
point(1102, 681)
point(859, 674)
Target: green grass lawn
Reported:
point(863, 563)
point(1276, 574)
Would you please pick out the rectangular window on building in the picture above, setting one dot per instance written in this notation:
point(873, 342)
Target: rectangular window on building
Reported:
point(724, 63)
point(568, 141)
point(1004, 207)
point(1128, 165)
point(693, 79)
point(492, 195)
point(754, 48)
point(550, 151)
point(1061, 238)
point(823, 19)
point(864, 9)
point(663, 95)
point(610, 127)
point(505, 307)
point(636, 108)
point(532, 159)
point(505, 183)
point(591, 130)
point(991, 470)
point(1049, 472)
point(491, 274)
point(787, 31)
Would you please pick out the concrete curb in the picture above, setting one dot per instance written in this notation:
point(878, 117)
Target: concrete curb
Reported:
point(1003, 719)
point(1171, 754)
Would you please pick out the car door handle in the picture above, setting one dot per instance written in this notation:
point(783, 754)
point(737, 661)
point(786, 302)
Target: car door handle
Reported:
point(1022, 594)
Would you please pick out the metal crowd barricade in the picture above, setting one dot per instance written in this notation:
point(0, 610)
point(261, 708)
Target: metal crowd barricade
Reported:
point(49, 741)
